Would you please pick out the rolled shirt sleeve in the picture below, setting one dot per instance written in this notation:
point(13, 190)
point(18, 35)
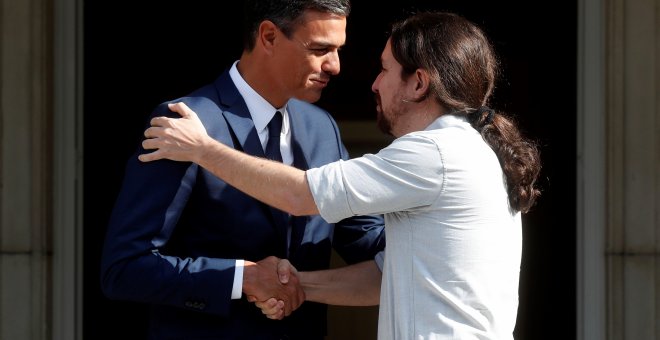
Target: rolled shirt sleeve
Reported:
point(405, 175)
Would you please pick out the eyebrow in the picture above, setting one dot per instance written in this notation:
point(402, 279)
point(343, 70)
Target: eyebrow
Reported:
point(324, 44)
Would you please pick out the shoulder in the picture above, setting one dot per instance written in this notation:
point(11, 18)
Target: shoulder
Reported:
point(312, 122)
point(454, 138)
point(309, 112)
point(316, 132)
point(418, 149)
point(204, 101)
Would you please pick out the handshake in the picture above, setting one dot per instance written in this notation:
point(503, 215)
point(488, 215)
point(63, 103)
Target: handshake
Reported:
point(273, 284)
point(276, 287)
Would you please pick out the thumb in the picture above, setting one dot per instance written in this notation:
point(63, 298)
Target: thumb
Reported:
point(284, 269)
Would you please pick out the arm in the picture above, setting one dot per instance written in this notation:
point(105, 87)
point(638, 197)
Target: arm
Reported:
point(353, 285)
point(135, 265)
point(185, 139)
point(139, 265)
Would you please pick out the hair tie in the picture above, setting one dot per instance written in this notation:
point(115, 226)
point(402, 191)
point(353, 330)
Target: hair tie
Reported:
point(489, 117)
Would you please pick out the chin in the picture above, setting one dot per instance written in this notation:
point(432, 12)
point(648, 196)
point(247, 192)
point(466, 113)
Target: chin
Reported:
point(310, 97)
point(384, 124)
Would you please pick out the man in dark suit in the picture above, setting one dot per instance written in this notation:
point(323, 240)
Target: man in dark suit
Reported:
point(192, 246)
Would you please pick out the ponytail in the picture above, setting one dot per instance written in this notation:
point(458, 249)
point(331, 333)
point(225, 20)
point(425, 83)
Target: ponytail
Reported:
point(518, 156)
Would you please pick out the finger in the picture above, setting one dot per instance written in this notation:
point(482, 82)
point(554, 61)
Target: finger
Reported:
point(153, 132)
point(182, 109)
point(278, 313)
point(160, 121)
point(151, 143)
point(277, 316)
point(269, 305)
point(152, 156)
point(251, 298)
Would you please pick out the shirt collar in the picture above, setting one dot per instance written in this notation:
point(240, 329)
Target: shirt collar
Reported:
point(449, 120)
point(260, 109)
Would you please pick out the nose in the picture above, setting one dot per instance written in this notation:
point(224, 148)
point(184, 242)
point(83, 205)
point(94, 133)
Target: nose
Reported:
point(374, 86)
point(332, 65)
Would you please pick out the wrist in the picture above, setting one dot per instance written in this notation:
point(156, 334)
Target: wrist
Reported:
point(203, 151)
point(249, 275)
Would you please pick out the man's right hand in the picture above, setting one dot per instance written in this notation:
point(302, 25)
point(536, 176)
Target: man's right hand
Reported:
point(274, 285)
point(274, 308)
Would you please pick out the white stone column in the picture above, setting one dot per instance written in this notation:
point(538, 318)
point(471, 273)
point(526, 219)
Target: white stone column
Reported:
point(25, 169)
point(67, 171)
point(633, 181)
point(591, 172)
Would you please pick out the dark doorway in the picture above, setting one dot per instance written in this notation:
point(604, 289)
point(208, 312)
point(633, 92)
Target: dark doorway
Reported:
point(138, 56)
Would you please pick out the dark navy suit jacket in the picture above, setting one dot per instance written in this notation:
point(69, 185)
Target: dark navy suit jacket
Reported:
point(176, 230)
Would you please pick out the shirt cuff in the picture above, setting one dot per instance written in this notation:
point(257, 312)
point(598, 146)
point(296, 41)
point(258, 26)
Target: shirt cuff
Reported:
point(380, 259)
point(237, 289)
point(326, 184)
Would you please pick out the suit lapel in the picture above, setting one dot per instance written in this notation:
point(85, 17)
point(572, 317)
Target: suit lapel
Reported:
point(298, 134)
point(238, 117)
point(245, 138)
point(299, 137)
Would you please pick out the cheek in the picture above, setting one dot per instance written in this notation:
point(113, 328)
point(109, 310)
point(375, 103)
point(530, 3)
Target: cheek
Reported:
point(305, 69)
point(296, 76)
point(306, 63)
point(386, 93)
point(318, 67)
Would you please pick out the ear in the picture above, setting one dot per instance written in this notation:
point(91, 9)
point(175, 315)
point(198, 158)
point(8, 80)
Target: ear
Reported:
point(421, 84)
point(267, 34)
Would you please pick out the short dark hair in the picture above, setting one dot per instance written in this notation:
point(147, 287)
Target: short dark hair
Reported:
point(285, 14)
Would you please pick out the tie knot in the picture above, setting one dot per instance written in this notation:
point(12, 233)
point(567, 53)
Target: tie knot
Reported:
point(275, 125)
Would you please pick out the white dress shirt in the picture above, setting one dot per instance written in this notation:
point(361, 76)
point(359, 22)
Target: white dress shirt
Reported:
point(262, 112)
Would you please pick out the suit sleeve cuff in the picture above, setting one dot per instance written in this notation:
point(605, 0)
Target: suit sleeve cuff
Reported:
point(237, 289)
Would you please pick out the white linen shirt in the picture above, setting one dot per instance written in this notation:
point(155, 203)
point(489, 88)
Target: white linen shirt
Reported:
point(452, 260)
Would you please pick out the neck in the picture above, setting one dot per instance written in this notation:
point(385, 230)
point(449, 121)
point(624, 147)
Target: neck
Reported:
point(259, 75)
point(420, 116)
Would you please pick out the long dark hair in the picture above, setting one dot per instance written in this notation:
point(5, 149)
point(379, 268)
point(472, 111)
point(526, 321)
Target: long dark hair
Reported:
point(463, 69)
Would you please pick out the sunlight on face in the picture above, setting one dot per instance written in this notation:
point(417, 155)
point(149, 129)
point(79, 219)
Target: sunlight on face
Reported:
point(311, 55)
point(388, 92)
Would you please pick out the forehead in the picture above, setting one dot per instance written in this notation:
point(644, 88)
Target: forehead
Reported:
point(322, 27)
point(387, 58)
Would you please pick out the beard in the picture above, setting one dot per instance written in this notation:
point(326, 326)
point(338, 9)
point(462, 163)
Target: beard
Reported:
point(387, 119)
point(384, 124)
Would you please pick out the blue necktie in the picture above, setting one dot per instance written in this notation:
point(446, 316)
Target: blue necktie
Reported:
point(273, 153)
point(273, 144)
